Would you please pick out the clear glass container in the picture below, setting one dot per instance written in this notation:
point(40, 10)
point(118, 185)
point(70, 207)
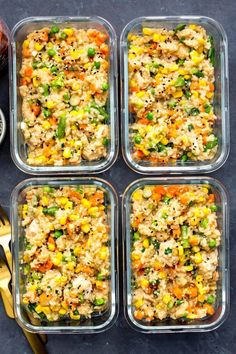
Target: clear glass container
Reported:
point(221, 99)
point(222, 293)
point(18, 145)
point(97, 323)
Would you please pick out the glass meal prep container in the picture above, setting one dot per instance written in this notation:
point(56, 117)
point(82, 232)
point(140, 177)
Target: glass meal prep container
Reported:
point(221, 305)
point(18, 145)
point(220, 104)
point(99, 321)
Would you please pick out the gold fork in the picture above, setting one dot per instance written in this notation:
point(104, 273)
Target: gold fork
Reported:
point(5, 277)
point(5, 238)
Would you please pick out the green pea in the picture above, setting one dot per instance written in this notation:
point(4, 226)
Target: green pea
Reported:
point(180, 27)
point(194, 111)
point(212, 243)
point(185, 243)
point(180, 61)
point(204, 223)
point(188, 94)
point(35, 64)
point(184, 158)
point(136, 236)
point(26, 269)
point(179, 302)
point(184, 231)
point(171, 104)
point(180, 82)
point(166, 199)
point(207, 108)
point(54, 30)
point(45, 88)
point(91, 52)
point(197, 73)
point(137, 139)
point(58, 233)
point(150, 116)
point(99, 302)
point(100, 277)
point(63, 35)
point(213, 207)
point(54, 69)
point(210, 299)
point(66, 97)
point(58, 83)
point(46, 112)
point(51, 52)
point(170, 305)
point(47, 189)
point(164, 215)
point(190, 127)
point(211, 144)
point(36, 275)
point(97, 64)
point(61, 129)
point(105, 87)
point(81, 298)
point(168, 250)
point(76, 312)
point(105, 141)
point(50, 211)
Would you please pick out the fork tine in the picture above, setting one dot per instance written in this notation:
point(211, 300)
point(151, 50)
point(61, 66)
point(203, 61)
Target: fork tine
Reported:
point(4, 216)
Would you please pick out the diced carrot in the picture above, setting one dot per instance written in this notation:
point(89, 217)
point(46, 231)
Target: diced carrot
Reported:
point(138, 315)
point(171, 112)
point(134, 89)
point(160, 190)
point(96, 198)
point(144, 121)
point(172, 190)
point(211, 87)
point(156, 196)
point(178, 292)
point(23, 82)
point(204, 139)
point(75, 195)
point(28, 71)
point(104, 49)
point(26, 53)
point(140, 154)
point(211, 198)
point(193, 291)
point(46, 266)
point(53, 121)
point(184, 199)
point(82, 76)
point(44, 36)
point(44, 299)
point(193, 240)
point(51, 240)
point(201, 298)
point(83, 126)
point(176, 232)
point(36, 109)
point(210, 309)
point(88, 270)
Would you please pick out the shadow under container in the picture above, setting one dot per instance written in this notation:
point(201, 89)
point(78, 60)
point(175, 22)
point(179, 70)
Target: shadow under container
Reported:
point(222, 293)
point(19, 150)
point(220, 104)
point(96, 324)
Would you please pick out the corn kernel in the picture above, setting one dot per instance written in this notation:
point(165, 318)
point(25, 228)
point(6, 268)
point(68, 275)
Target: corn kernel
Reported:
point(71, 265)
point(178, 94)
point(199, 278)
point(44, 201)
point(131, 56)
point(46, 125)
point(62, 312)
point(173, 67)
point(85, 228)
point(206, 211)
point(147, 31)
point(86, 203)
point(201, 40)
point(164, 141)
point(75, 86)
point(198, 258)
point(74, 317)
point(135, 256)
point(192, 316)
point(67, 153)
point(103, 252)
point(146, 243)
point(192, 27)
point(197, 212)
point(181, 250)
point(93, 211)
point(50, 104)
point(63, 220)
point(32, 287)
point(64, 305)
point(68, 31)
point(25, 301)
point(73, 217)
point(202, 83)
point(36, 82)
point(195, 94)
point(69, 205)
point(38, 308)
point(209, 94)
point(75, 54)
point(140, 94)
point(187, 77)
point(137, 195)
point(183, 71)
point(62, 201)
point(26, 43)
point(51, 247)
point(196, 249)
point(189, 268)
point(162, 275)
point(166, 299)
point(77, 250)
point(38, 46)
point(56, 261)
point(138, 303)
point(144, 283)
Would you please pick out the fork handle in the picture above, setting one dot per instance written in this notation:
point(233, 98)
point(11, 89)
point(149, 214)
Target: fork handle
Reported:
point(5, 245)
point(7, 301)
